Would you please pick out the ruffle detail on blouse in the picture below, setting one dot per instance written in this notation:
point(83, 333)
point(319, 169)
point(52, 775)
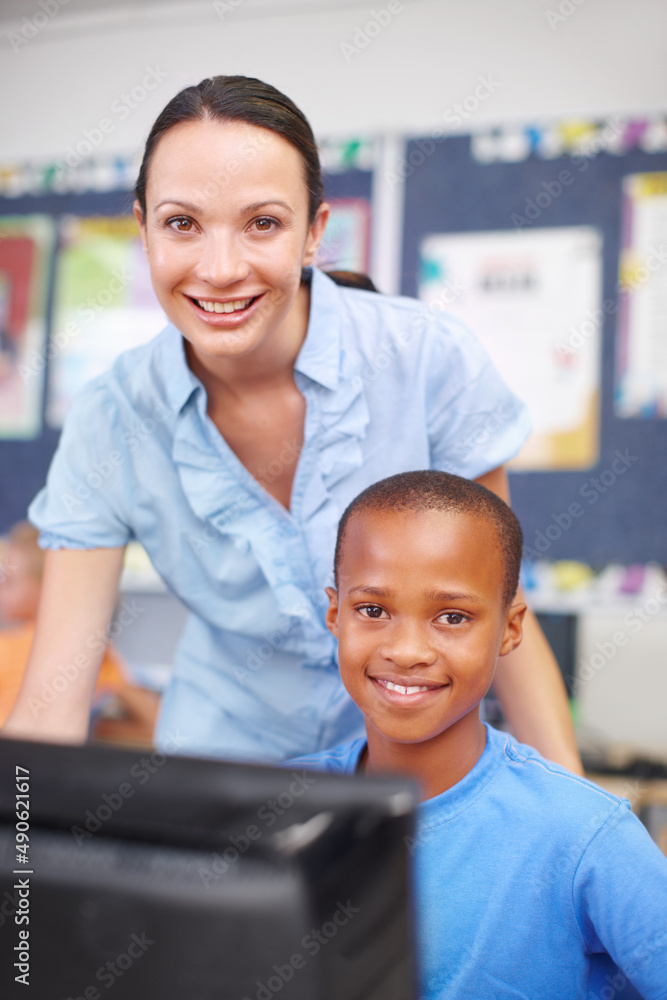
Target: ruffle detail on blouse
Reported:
point(222, 493)
point(343, 421)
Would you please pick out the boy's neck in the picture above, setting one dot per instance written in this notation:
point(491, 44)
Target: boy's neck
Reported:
point(437, 764)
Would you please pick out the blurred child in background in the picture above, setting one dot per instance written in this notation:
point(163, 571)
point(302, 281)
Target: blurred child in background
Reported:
point(122, 712)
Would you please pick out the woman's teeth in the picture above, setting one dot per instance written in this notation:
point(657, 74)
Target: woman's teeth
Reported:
point(401, 689)
point(224, 307)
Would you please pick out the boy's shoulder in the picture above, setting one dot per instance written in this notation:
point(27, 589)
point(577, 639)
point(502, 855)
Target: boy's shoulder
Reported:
point(529, 769)
point(524, 844)
point(515, 786)
point(342, 759)
point(507, 769)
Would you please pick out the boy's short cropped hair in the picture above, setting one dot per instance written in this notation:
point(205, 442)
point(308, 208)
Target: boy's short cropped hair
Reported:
point(435, 490)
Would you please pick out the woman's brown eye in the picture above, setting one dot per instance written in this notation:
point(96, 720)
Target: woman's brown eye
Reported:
point(263, 225)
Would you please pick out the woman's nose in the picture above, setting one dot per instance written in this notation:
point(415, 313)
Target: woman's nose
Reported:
point(222, 261)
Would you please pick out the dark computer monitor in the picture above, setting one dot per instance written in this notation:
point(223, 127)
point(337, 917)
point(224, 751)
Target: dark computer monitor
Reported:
point(139, 876)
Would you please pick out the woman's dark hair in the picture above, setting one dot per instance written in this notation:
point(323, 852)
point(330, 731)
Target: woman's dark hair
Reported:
point(352, 279)
point(239, 99)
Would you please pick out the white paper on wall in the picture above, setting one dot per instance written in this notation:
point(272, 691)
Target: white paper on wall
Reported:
point(641, 343)
point(533, 299)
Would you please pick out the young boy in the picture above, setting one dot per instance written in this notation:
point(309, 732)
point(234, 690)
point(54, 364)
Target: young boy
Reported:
point(528, 878)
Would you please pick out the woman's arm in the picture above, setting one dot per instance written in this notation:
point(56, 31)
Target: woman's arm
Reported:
point(78, 594)
point(528, 681)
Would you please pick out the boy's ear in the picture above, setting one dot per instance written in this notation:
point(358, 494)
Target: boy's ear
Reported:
point(513, 632)
point(331, 617)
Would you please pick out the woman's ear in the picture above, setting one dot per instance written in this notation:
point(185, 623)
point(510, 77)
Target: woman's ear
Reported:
point(315, 233)
point(139, 216)
point(513, 631)
point(331, 617)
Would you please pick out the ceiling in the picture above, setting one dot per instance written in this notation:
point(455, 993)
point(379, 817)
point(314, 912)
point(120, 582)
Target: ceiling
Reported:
point(15, 10)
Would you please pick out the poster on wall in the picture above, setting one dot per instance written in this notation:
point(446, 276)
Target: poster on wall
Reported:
point(641, 344)
point(345, 245)
point(533, 299)
point(104, 303)
point(26, 244)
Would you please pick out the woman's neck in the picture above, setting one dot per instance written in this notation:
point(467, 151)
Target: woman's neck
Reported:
point(268, 368)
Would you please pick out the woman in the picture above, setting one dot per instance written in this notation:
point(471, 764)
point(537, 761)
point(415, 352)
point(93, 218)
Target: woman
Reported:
point(231, 443)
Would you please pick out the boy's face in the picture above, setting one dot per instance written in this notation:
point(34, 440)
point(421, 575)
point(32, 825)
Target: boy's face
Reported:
point(420, 619)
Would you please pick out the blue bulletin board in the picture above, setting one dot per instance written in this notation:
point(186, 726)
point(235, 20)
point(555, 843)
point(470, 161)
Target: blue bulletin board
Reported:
point(24, 463)
point(615, 511)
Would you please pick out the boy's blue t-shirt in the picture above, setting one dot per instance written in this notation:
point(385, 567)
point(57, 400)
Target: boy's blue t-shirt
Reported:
point(527, 878)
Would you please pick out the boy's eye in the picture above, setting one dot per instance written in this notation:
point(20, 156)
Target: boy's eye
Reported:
point(452, 617)
point(371, 610)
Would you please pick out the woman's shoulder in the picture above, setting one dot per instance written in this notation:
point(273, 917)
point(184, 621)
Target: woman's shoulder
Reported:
point(139, 377)
point(365, 303)
point(372, 315)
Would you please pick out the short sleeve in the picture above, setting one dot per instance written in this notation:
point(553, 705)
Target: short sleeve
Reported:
point(620, 894)
point(475, 423)
point(81, 506)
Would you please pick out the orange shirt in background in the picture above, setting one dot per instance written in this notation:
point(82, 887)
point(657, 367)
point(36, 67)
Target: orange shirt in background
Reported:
point(15, 643)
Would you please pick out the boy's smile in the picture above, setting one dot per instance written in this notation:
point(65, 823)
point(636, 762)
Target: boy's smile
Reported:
point(421, 621)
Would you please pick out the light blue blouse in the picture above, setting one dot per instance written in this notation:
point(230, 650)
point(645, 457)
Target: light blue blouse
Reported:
point(389, 386)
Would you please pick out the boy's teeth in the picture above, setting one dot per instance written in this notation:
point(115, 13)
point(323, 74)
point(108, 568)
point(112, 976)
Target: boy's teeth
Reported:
point(401, 689)
point(224, 307)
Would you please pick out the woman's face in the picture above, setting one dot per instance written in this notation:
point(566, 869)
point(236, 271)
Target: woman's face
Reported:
point(226, 234)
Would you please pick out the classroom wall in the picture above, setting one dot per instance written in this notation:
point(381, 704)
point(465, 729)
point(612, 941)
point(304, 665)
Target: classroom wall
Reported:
point(603, 56)
point(388, 67)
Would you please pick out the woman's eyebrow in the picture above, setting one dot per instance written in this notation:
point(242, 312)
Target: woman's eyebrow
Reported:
point(182, 204)
point(255, 206)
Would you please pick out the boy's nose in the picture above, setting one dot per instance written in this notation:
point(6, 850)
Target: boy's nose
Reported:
point(409, 645)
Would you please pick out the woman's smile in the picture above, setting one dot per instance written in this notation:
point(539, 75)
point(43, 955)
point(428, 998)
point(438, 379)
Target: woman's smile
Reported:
point(227, 234)
point(225, 313)
point(228, 306)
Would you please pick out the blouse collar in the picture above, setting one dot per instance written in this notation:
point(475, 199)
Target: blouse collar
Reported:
point(319, 358)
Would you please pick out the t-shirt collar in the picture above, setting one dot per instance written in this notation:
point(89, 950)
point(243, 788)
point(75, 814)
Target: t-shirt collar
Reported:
point(460, 796)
